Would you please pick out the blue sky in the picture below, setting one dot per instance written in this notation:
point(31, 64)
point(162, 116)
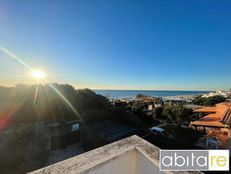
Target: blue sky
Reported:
point(119, 44)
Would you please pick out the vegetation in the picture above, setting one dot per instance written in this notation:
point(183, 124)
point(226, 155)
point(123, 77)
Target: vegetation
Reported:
point(176, 112)
point(23, 115)
point(159, 112)
point(140, 95)
point(21, 106)
point(22, 118)
point(182, 140)
point(23, 148)
point(186, 135)
point(210, 101)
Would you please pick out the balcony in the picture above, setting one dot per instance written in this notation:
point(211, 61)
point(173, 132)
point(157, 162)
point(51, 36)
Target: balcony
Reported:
point(132, 155)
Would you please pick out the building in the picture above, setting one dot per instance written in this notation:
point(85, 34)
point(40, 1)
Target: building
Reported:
point(218, 116)
point(216, 93)
point(215, 121)
point(131, 155)
point(61, 135)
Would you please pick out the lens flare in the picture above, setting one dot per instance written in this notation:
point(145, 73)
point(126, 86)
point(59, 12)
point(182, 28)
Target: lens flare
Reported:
point(38, 74)
point(15, 57)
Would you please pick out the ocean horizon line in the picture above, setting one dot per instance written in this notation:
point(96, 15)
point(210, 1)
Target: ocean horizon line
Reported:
point(148, 90)
point(158, 93)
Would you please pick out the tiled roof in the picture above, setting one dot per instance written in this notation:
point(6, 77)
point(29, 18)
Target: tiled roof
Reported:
point(227, 116)
point(220, 118)
point(206, 109)
point(208, 123)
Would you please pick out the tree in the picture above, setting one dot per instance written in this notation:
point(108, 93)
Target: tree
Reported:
point(167, 112)
point(209, 101)
point(23, 148)
point(140, 95)
point(178, 111)
point(22, 121)
point(159, 112)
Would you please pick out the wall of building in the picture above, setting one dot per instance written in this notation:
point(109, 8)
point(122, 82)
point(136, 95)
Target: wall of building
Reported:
point(145, 166)
point(131, 162)
point(124, 163)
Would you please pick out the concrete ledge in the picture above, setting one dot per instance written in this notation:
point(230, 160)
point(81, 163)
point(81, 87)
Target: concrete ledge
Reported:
point(127, 150)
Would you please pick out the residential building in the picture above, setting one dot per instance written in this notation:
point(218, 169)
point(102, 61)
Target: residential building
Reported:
point(131, 155)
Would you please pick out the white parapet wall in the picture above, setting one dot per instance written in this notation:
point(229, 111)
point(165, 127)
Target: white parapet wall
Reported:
point(131, 155)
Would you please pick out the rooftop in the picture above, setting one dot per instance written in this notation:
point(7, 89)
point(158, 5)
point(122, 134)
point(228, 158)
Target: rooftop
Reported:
point(221, 116)
point(132, 155)
point(207, 109)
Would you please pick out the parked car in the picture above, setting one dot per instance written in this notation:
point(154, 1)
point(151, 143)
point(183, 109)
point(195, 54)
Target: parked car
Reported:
point(160, 132)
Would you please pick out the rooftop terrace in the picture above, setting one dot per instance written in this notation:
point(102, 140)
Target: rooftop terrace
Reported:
point(132, 155)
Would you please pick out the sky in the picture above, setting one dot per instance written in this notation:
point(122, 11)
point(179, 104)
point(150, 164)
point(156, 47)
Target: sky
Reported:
point(119, 44)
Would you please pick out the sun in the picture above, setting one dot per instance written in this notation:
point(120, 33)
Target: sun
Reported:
point(38, 74)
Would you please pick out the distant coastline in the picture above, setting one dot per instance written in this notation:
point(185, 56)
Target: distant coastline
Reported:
point(117, 94)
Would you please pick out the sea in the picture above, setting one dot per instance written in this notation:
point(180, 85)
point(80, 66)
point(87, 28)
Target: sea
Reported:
point(119, 94)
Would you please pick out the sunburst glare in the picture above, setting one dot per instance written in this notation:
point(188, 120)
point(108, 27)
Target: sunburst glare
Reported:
point(38, 74)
